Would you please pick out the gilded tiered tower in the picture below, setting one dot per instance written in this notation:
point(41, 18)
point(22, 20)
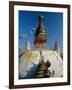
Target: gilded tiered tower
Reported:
point(40, 34)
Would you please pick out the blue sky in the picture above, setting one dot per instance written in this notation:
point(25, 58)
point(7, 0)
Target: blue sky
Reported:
point(28, 21)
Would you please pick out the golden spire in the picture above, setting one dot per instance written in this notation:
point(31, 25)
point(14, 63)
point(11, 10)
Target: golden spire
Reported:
point(40, 35)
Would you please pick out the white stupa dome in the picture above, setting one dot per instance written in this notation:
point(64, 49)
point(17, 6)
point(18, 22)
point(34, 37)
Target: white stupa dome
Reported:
point(30, 59)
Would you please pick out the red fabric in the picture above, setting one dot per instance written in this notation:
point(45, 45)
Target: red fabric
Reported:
point(39, 41)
